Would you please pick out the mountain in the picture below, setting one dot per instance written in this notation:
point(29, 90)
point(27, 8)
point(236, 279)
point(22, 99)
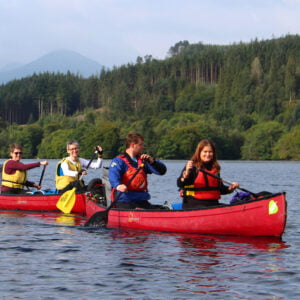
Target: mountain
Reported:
point(58, 61)
point(10, 67)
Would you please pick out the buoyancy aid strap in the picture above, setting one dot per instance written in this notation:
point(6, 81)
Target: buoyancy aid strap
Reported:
point(202, 189)
point(125, 159)
point(183, 191)
point(205, 172)
point(23, 183)
point(112, 194)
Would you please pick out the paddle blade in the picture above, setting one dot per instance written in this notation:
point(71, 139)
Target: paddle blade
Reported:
point(99, 219)
point(67, 201)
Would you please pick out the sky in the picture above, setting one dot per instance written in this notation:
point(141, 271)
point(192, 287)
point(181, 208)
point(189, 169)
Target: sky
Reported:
point(116, 32)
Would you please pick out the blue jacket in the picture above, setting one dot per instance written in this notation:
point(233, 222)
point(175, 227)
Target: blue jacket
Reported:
point(118, 167)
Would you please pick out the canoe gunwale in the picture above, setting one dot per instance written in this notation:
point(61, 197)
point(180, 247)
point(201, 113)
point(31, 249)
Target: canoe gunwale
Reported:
point(221, 205)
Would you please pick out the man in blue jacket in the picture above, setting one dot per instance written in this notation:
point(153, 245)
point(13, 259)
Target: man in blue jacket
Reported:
point(134, 192)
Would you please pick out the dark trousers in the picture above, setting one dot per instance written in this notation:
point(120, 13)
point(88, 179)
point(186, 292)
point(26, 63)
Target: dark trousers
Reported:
point(13, 192)
point(78, 184)
point(190, 202)
point(137, 204)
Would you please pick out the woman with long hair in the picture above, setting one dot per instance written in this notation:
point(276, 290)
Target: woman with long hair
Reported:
point(197, 182)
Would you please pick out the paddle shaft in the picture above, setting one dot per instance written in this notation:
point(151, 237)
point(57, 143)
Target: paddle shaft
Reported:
point(94, 154)
point(225, 181)
point(102, 215)
point(42, 175)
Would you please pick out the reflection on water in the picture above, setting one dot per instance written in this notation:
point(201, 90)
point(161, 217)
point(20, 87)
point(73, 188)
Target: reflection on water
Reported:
point(46, 217)
point(201, 264)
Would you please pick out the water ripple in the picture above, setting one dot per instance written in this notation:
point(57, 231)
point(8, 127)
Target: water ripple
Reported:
point(55, 257)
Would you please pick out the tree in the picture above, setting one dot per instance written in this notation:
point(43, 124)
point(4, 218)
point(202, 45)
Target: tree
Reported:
point(288, 146)
point(105, 134)
point(54, 145)
point(260, 140)
point(290, 78)
point(167, 149)
point(178, 48)
point(30, 139)
point(256, 70)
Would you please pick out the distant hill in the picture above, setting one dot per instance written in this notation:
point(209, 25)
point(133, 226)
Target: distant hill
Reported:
point(58, 61)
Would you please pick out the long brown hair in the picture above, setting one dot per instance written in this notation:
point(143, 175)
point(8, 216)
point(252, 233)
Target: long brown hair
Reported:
point(196, 156)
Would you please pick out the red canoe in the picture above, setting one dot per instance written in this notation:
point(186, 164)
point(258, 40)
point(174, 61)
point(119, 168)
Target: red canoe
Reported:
point(46, 200)
point(265, 216)
point(37, 202)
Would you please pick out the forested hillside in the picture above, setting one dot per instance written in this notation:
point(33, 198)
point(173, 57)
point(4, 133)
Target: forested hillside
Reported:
point(245, 97)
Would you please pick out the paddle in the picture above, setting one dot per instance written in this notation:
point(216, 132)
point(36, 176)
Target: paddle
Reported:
point(225, 181)
point(42, 175)
point(100, 217)
point(67, 200)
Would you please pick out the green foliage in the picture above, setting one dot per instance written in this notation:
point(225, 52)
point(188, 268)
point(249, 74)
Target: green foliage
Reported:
point(242, 96)
point(288, 146)
point(167, 149)
point(195, 98)
point(185, 139)
point(30, 138)
point(105, 134)
point(4, 145)
point(261, 139)
point(54, 145)
point(296, 115)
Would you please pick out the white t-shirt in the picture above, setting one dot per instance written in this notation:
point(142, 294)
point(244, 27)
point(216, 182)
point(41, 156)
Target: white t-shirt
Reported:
point(84, 163)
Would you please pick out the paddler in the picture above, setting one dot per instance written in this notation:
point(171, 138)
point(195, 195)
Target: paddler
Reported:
point(134, 193)
point(70, 169)
point(198, 188)
point(14, 175)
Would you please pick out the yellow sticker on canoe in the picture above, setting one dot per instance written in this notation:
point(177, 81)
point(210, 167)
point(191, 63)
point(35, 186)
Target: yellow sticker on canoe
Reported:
point(273, 207)
point(132, 218)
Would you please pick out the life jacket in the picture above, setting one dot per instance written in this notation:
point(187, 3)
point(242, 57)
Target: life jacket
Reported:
point(61, 181)
point(205, 186)
point(15, 181)
point(140, 182)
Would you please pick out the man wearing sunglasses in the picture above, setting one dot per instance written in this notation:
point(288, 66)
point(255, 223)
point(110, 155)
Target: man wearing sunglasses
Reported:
point(14, 175)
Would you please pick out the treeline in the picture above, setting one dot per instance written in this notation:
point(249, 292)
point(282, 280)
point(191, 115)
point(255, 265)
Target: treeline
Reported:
point(243, 96)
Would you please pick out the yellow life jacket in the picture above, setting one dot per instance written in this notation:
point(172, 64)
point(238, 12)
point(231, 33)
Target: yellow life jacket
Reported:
point(61, 180)
point(15, 181)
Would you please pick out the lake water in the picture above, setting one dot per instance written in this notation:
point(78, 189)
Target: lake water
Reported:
point(54, 257)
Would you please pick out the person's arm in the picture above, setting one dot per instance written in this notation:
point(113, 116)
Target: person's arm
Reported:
point(186, 178)
point(66, 171)
point(157, 167)
point(225, 189)
point(116, 171)
point(94, 165)
point(31, 184)
point(12, 166)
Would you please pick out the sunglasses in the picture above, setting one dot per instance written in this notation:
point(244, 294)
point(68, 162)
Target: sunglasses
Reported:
point(18, 153)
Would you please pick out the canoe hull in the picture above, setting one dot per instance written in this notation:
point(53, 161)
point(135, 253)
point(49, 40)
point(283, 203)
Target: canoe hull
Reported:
point(263, 217)
point(39, 202)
